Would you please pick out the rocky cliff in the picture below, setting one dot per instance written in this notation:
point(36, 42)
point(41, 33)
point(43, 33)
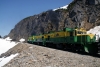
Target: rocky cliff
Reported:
point(79, 13)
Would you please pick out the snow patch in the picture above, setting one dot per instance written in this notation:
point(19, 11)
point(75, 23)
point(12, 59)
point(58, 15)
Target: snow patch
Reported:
point(4, 61)
point(22, 40)
point(64, 7)
point(95, 30)
point(5, 45)
point(8, 39)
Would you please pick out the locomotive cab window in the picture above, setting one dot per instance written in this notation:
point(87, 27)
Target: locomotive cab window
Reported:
point(81, 32)
point(84, 32)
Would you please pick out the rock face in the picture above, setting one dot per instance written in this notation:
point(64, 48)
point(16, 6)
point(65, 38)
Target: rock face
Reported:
point(85, 13)
point(80, 13)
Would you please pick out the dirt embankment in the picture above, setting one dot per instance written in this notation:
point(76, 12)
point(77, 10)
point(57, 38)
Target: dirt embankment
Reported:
point(38, 56)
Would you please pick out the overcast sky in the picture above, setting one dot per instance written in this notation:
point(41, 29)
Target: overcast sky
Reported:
point(13, 11)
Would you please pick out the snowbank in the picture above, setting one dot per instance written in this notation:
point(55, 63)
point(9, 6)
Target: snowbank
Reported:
point(3, 60)
point(22, 40)
point(95, 30)
point(8, 38)
point(5, 45)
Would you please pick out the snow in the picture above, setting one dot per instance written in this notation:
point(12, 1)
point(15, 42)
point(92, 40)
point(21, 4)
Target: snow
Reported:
point(22, 40)
point(8, 38)
point(3, 60)
point(5, 45)
point(64, 7)
point(95, 30)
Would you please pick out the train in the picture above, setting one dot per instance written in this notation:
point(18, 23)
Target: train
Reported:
point(75, 39)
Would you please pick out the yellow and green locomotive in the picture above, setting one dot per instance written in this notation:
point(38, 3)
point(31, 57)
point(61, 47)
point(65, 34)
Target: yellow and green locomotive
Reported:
point(68, 38)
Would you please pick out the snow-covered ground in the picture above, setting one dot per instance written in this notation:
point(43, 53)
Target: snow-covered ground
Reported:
point(64, 7)
point(3, 60)
point(22, 40)
point(95, 30)
point(5, 45)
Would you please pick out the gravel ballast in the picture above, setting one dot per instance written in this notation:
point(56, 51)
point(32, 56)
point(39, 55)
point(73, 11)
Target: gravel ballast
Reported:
point(38, 56)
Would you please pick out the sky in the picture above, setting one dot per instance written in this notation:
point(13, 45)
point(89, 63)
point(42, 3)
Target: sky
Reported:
point(13, 11)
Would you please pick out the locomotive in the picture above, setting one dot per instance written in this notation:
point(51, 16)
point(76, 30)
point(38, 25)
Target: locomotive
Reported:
point(68, 38)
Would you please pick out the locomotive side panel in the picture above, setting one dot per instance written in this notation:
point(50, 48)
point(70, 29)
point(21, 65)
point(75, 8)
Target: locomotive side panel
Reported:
point(76, 39)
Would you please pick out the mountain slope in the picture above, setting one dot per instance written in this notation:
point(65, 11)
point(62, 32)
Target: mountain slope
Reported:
point(79, 13)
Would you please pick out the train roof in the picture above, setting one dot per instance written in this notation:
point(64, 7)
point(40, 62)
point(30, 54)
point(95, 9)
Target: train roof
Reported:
point(68, 29)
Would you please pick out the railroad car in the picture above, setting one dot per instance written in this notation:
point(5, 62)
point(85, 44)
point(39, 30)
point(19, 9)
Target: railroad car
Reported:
point(68, 38)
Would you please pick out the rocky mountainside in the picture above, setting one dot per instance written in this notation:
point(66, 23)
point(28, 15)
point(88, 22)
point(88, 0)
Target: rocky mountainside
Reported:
point(79, 13)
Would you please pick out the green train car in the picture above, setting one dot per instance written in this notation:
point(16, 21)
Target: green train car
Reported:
point(68, 38)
